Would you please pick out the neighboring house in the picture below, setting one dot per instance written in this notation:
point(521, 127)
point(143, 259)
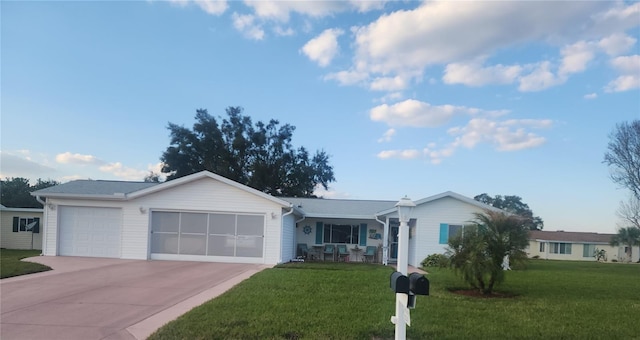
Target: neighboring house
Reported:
point(206, 217)
point(565, 245)
point(20, 228)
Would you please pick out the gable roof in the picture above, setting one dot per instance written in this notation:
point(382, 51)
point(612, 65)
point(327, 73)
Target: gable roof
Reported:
point(443, 195)
point(569, 236)
point(339, 208)
point(124, 190)
point(93, 188)
point(369, 209)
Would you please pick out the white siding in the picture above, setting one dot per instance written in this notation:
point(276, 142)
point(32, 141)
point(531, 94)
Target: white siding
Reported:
point(428, 217)
point(204, 195)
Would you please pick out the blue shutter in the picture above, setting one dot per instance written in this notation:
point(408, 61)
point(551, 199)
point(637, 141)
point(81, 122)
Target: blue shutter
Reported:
point(363, 234)
point(319, 228)
point(16, 222)
point(444, 233)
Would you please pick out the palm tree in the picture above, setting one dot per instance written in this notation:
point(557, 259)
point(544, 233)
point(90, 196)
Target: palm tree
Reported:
point(627, 236)
point(478, 252)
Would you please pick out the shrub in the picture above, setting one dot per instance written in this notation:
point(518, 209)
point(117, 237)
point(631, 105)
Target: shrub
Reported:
point(435, 260)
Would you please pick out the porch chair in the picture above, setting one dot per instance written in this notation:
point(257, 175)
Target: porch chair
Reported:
point(369, 254)
point(329, 249)
point(343, 253)
point(303, 250)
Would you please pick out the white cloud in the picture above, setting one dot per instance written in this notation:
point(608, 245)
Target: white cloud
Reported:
point(389, 84)
point(393, 96)
point(509, 135)
point(213, 7)
point(367, 5)
point(539, 79)
point(278, 30)
point(320, 191)
point(347, 77)
point(20, 164)
point(79, 159)
point(400, 154)
point(387, 136)
point(246, 24)
point(281, 10)
point(475, 74)
point(590, 96)
point(416, 113)
point(443, 32)
point(323, 48)
point(121, 171)
point(629, 69)
point(575, 58)
point(616, 44)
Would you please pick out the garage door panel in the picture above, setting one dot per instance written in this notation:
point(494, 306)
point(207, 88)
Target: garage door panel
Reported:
point(207, 234)
point(90, 231)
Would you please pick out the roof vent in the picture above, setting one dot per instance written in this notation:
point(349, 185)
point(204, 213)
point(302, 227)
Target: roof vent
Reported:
point(560, 231)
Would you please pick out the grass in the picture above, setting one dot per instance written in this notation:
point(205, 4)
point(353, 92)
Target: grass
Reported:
point(553, 299)
point(10, 264)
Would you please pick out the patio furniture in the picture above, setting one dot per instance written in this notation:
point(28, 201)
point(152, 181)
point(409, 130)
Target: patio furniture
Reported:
point(343, 253)
point(316, 252)
point(369, 254)
point(303, 250)
point(357, 251)
point(329, 249)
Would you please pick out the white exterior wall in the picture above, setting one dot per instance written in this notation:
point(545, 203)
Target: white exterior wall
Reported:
point(203, 195)
point(428, 218)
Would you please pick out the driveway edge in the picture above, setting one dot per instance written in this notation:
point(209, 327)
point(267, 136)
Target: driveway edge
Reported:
point(146, 327)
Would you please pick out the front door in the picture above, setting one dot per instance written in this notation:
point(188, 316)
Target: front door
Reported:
point(393, 242)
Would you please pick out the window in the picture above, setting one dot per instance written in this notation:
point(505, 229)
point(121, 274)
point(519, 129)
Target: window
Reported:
point(589, 250)
point(560, 248)
point(24, 224)
point(449, 231)
point(341, 233)
point(542, 247)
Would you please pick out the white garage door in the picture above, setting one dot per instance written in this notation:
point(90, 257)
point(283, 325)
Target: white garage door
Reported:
point(86, 231)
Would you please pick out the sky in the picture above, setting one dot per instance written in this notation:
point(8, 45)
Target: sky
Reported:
point(408, 98)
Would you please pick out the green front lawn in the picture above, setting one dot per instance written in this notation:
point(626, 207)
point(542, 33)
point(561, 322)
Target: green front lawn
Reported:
point(553, 299)
point(10, 264)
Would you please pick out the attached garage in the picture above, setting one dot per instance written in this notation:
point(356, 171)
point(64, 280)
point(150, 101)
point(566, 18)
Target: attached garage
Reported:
point(200, 217)
point(90, 231)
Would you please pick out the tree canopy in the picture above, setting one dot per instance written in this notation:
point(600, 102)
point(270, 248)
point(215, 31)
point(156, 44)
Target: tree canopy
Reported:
point(258, 155)
point(623, 156)
point(514, 205)
point(16, 192)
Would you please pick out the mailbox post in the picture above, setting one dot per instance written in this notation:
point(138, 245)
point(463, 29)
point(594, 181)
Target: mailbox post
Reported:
point(405, 206)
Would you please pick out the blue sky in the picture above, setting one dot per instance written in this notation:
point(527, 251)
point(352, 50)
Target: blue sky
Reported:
point(408, 98)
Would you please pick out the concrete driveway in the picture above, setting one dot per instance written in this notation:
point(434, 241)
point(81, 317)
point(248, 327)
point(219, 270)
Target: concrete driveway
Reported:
point(93, 298)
